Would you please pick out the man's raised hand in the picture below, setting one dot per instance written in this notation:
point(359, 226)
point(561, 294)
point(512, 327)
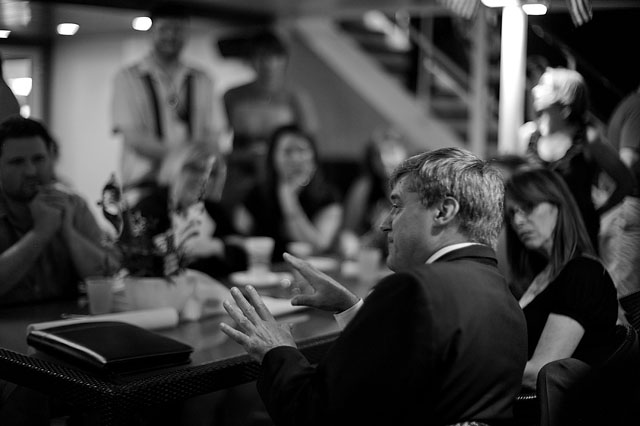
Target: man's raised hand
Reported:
point(319, 290)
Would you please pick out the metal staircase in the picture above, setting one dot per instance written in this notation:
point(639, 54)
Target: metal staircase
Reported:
point(432, 65)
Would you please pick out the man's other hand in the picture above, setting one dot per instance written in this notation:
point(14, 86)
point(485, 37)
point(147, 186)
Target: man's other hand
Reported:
point(256, 329)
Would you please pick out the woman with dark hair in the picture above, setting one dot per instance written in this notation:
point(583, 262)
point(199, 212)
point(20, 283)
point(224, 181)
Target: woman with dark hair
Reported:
point(563, 139)
point(294, 202)
point(570, 303)
point(367, 201)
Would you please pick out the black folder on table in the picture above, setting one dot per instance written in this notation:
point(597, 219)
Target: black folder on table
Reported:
point(111, 346)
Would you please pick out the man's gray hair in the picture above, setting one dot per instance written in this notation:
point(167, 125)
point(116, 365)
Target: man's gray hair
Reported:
point(453, 172)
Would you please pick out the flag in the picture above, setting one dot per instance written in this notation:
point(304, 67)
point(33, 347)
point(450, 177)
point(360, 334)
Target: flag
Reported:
point(580, 11)
point(463, 8)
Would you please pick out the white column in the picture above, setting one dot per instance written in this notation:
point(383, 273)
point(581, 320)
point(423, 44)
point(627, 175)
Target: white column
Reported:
point(480, 114)
point(512, 76)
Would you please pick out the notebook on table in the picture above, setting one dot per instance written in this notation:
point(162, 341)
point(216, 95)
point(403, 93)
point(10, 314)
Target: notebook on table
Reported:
point(110, 346)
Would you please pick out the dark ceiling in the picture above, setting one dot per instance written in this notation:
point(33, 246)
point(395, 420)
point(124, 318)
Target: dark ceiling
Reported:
point(37, 19)
point(615, 23)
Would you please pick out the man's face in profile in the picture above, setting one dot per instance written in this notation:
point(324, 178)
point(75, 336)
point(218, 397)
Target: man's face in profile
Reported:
point(25, 165)
point(169, 35)
point(409, 227)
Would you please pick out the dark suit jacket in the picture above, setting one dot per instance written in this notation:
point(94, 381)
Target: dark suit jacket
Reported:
point(440, 343)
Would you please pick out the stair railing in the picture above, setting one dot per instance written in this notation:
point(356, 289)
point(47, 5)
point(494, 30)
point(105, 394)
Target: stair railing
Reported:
point(449, 73)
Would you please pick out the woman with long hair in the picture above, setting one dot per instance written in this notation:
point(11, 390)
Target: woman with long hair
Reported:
point(294, 202)
point(570, 302)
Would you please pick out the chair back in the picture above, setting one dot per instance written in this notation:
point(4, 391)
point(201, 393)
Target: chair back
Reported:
point(570, 392)
point(615, 386)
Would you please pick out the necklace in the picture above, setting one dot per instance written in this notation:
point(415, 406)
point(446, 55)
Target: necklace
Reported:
point(170, 81)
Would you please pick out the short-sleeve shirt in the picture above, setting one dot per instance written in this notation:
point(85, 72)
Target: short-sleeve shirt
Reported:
point(176, 113)
point(53, 275)
point(585, 292)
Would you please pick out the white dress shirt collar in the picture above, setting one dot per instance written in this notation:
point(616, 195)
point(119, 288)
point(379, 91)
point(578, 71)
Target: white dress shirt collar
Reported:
point(444, 250)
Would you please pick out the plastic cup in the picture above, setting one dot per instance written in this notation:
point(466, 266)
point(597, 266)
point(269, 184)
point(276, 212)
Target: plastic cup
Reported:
point(259, 250)
point(100, 294)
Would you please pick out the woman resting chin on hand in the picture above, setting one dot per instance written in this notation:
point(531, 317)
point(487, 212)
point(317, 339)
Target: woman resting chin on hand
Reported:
point(294, 203)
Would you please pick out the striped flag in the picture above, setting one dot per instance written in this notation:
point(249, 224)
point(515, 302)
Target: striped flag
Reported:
point(580, 11)
point(463, 8)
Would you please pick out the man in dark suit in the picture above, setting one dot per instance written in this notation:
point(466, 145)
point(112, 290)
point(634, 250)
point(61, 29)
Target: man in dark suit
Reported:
point(440, 341)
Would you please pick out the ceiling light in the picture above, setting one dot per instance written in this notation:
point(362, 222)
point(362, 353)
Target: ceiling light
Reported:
point(376, 21)
point(5, 33)
point(21, 86)
point(530, 7)
point(538, 7)
point(141, 23)
point(500, 3)
point(67, 28)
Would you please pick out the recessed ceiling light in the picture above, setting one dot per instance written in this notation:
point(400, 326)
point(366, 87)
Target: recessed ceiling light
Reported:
point(500, 3)
point(67, 28)
point(538, 7)
point(21, 86)
point(5, 33)
point(141, 23)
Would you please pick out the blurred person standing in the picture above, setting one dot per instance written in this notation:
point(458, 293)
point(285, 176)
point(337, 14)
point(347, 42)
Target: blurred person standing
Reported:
point(160, 104)
point(440, 341)
point(256, 109)
point(563, 139)
point(621, 242)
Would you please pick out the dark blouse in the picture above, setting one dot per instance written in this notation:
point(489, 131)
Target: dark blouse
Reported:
point(267, 216)
point(585, 292)
point(579, 174)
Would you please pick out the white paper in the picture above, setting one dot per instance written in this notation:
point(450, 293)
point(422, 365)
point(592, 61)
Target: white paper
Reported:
point(150, 319)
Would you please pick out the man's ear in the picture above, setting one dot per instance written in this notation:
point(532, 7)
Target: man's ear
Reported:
point(447, 210)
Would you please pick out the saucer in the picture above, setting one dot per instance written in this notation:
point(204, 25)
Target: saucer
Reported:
point(261, 279)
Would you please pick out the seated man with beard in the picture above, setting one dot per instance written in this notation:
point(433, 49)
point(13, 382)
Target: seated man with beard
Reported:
point(49, 239)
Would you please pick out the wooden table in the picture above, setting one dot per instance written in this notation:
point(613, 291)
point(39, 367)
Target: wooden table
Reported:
point(217, 362)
